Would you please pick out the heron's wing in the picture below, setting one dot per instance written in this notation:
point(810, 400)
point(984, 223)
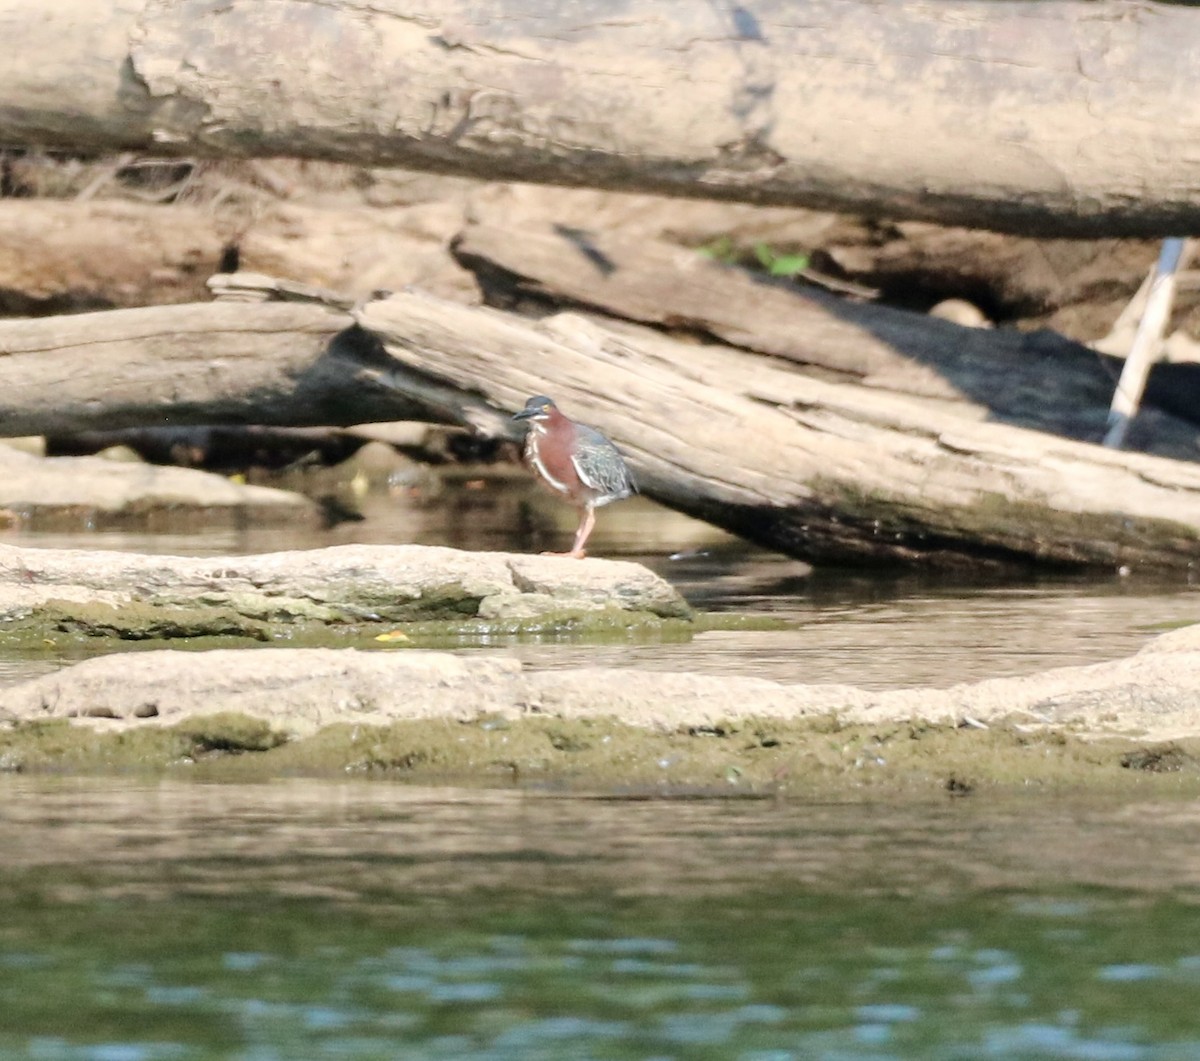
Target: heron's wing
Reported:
point(600, 464)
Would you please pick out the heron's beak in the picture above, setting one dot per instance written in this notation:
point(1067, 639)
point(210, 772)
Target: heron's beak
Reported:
point(525, 414)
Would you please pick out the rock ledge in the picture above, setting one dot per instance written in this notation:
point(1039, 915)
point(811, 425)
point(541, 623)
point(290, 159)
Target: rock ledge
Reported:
point(1153, 695)
point(120, 594)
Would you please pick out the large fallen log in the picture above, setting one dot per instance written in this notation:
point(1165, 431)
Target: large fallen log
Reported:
point(1046, 116)
point(388, 229)
point(811, 468)
point(815, 469)
point(1075, 286)
point(290, 363)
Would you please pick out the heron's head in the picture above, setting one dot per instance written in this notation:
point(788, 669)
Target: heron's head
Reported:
point(537, 408)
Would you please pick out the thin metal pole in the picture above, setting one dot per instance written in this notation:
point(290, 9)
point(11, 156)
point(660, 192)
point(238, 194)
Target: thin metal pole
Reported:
point(1147, 342)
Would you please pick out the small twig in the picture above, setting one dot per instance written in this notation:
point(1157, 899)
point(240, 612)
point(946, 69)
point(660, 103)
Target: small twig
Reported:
point(841, 287)
point(106, 174)
point(255, 287)
point(274, 182)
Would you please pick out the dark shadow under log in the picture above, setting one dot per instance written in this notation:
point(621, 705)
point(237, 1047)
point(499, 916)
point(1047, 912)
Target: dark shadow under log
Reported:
point(1040, 380)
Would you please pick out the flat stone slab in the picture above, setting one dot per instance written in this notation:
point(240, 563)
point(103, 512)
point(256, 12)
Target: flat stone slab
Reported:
point(62, 490)
point(122, 593)
point(1153, 695)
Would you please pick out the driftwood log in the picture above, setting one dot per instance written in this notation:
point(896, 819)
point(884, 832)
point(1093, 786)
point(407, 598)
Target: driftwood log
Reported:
point(282, 363)
point(389, 228)
point(60, 256)
point(815, 469)
point(1047, 116)
point(270, 363)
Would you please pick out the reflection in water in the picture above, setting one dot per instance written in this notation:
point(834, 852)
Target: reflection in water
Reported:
point(368, 920)
point(928, 634)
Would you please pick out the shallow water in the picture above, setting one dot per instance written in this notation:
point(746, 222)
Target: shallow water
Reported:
point(871, 628)
point(370, 920)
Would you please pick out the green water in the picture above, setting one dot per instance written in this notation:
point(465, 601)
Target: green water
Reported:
point(371, 920)
point(310, 920)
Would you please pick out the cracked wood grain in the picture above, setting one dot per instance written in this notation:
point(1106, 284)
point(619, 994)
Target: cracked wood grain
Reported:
point(1045, 117)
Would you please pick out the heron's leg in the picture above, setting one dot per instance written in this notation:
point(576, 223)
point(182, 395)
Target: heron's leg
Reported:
point(587, 520)
point(585, 529)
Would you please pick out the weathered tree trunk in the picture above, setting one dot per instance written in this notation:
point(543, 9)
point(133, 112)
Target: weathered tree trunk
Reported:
point(263, 363)
point(815, 469)
point(269, 352)
point(1047, 116)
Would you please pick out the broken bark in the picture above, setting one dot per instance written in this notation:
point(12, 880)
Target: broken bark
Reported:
point(748, 101)
point(814, 469)
point(1039, 380)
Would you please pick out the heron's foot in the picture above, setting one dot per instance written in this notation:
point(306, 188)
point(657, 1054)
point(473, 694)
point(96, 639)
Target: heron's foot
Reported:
point(574, 554)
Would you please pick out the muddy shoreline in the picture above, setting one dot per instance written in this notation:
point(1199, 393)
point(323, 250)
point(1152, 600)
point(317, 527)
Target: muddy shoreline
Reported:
point(820, 759)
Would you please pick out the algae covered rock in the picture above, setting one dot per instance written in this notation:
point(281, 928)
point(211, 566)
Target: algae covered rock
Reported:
point(138, 597)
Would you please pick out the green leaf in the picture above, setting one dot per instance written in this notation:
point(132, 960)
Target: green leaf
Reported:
point(788, 265)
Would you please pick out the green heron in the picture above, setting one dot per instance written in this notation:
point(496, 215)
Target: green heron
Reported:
point(575, 462)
